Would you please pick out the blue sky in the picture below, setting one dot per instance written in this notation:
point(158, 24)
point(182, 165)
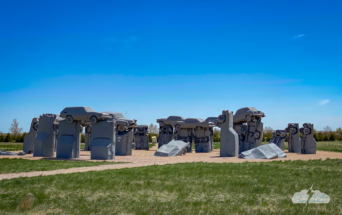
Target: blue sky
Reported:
point(152, 59)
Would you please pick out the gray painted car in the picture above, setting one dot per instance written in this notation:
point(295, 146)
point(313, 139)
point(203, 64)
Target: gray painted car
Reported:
point(83, 114)
point(246, 114)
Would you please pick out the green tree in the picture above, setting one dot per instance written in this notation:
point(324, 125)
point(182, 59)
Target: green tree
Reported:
point(316, 137)
point(326, 138)
point(18, 138)
point(216, 135)
point(14, 129)
point(8, 138)
point(153, 129)
point(2, 137)
point(150, 135)
point(267, 134)
point(82, 138)
point(321, 136)
point(332, 137)
point(23, 137)
point(338, 133)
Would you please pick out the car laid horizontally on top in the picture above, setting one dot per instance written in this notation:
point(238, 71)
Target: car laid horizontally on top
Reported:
point(83, 114)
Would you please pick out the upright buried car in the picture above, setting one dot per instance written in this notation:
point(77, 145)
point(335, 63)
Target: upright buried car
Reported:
point(83, 114)
point(124, 133)
point(122, 122)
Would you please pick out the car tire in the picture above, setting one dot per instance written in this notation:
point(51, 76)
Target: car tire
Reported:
point(307, 131)
point(93, 119)
point(257, 135)
point(282, 134)
point(35, 126)
point(55, 127)
point(88, 129)
point(178, 127)
point(69, 119)
point(122, 128)
point(222, 118)
point(248, 118)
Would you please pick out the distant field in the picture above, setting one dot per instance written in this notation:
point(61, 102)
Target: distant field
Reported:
point(18, 146)
point(15, 165)
point(11, 146)
point(187, 188)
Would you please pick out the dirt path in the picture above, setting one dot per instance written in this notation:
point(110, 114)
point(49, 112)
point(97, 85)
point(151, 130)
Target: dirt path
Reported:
point(145, 158)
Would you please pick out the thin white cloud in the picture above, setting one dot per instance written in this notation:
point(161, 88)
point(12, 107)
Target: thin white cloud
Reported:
point(299, 36)
point(324, 102)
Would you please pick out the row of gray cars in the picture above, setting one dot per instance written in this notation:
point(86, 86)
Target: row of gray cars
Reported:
point(109, 133)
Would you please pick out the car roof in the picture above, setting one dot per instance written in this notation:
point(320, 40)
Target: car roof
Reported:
point(87, 109)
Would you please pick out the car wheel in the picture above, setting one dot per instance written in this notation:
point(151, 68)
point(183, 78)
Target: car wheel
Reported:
point(35, 126)
point(55, 127)
point(307, 131)
point(69, 119)
point(178, 127)
point(222, 118)
point(88, 129)
point(248, 118)
point(257, 135)
point(93, 119)
point(122, 128)
point(283, 134)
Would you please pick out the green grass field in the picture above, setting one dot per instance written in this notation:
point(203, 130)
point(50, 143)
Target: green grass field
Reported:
point(15, 165)
point(188, 188)
point(11, 146)
point(18, 146)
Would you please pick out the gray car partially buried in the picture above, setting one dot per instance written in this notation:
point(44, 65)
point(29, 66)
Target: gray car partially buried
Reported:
point(31, 136)
point(103, 140)
point(278, 138)
point(141, 137)
point(166, 129)
point(229, 139)
point(247, 124)
point(45, 142)
point(194, 130)
point(267, 151)
point(214, 120)
point(173, 148)
point(68, 145)
point(124, 136)
point(308, 142)
point(123, 132)
point(293, 139)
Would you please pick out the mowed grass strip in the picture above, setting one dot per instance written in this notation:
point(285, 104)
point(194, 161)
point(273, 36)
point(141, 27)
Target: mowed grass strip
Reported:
point(19, 146)
point(11, 146)
point(187, 188)
point(16, 165)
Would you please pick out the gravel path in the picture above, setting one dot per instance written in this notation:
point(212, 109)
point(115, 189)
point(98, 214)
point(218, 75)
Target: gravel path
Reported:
point(145, 158)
